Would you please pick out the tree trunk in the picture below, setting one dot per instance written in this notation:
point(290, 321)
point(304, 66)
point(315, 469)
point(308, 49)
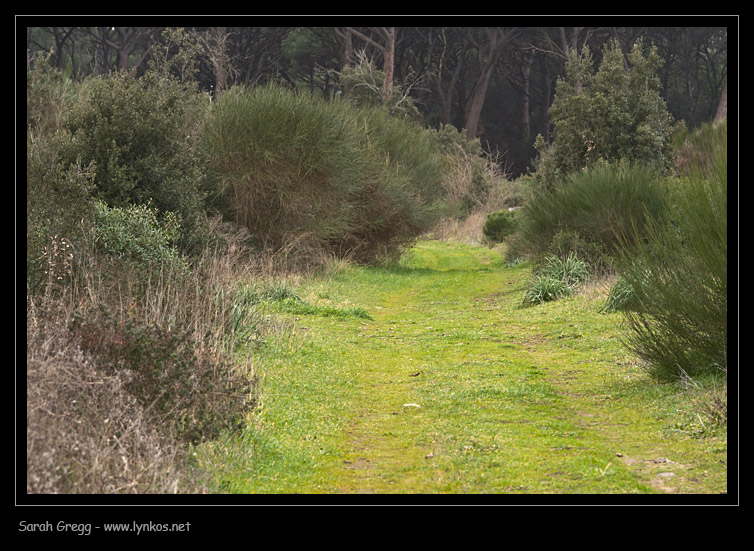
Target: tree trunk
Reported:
point(722, 107)
point(525, 120)
point(497, 40)
point(477, 102)
point(389, 65)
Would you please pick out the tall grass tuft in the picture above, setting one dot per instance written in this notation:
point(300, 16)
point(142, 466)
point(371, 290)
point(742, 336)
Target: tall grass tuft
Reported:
point(557, 278)
point(678, 275)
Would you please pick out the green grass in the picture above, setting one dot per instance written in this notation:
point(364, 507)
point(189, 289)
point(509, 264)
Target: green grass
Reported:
point(450, 386)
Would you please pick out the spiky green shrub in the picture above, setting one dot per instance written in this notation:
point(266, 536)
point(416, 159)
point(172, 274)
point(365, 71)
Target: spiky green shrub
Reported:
point(679, 276)
point(594, 208)
point(620, 297)
point(570, 269)
point(304, 174)
point(557, 277)
point(544, 288)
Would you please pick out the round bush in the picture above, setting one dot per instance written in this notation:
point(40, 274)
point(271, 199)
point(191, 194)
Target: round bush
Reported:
point(596, 209)
point(499, 225)
point(306, 175)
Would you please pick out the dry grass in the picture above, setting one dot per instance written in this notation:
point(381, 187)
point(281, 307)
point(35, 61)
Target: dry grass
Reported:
point(468, 230)
point(89, 427)
point(85, 432)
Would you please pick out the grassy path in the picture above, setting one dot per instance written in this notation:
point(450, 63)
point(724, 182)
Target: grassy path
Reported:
point(452, 387)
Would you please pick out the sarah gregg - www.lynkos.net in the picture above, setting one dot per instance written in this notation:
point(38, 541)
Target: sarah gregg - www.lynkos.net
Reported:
point(85, 529)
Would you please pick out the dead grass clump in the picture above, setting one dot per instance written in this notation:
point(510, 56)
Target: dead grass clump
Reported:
point(86, 433)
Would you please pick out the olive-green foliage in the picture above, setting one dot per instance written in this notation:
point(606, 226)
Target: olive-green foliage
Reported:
point(499, 225)
point(678, 274)
point(589, 211)
point(294, 169)
point(364, 85)
point(140, 134)
point(57, 189)
point(49, 94)
point(137, 234)
point(615, 113)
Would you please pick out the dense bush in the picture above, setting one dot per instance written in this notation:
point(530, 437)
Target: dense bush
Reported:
point(678, 273)
point(148, 366)
point(613, 114)
point(590, 211)
point(499, 225)
point(141, 136)
point(58, 204)
point(301, 172)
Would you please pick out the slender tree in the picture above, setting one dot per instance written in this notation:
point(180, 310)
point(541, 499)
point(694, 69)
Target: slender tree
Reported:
point(722, 107)
point(386, 47)
point(489, 45)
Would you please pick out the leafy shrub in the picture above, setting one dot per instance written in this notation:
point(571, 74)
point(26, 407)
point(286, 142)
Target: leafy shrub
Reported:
point(613, 114)
point(135, 233)
point(141, 134)
point(679, 273)
point(499, 225)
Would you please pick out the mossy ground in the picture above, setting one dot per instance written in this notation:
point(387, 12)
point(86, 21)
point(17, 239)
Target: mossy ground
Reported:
point(452, 387)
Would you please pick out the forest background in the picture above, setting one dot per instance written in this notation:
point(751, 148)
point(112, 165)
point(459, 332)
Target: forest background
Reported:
point(495, 83)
